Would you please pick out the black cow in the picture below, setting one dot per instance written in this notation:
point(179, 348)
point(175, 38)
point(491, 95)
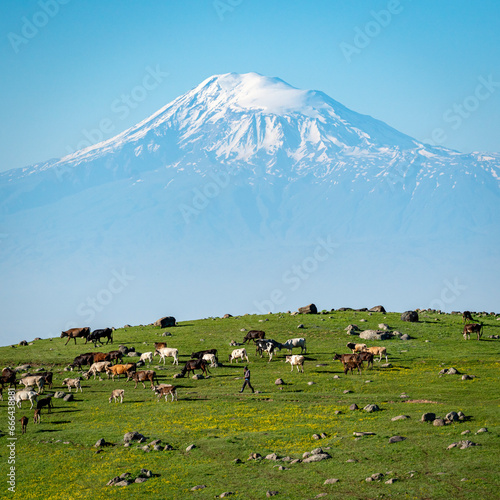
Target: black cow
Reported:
point(199, 354)
point(83, 359)
point(467, 316)
point(254, 334)
point(97, 335)
point(195, 364)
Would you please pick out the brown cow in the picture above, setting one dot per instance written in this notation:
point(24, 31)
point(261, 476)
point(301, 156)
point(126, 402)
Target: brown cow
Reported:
point(143, 376)
point(73, 333)
point(467, 316)
point(473, 328)
point(24, 424)
point(120, 370)
point(100, 356)
point(195, 364)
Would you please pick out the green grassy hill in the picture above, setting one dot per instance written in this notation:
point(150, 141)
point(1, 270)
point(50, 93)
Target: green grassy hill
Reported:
point(57, 458)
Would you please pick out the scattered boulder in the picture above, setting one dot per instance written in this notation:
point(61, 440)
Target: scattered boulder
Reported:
point(198, 487)
point(371, 408)
point(198, 376)
point(279, 381)
point(59, 394)
point(191, 447)
point(301, 326)
point(462, 445)
point(101, 442)
point(377, 309)
point(483, 429)
point(165, 322)
point(226, 316)
point(449, 371)
point(383, 326)
point(374, 335)
point(133, 436)
point(392, 480)
point(310, 309)
point(350, 329)
point(400, 417)
point(438, 422)
point(318, 457)
point(428, 417)
point(353, 407)
point(254, 456)
point(270, 493)
point(23, 343)
point(331, 481)
point(271, 456)
point(405, 336)
point(68, 397)
point(386, 365)
point(452, 416)
point(411, 316)
point(396, 439)
point(226, 494)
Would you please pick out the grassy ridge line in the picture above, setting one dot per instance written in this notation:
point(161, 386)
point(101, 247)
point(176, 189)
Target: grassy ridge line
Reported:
point(225, 425)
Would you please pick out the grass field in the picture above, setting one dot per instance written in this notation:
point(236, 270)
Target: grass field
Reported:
point(57, 458)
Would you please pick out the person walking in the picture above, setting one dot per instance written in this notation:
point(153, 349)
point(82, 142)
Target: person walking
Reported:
point(247, 380)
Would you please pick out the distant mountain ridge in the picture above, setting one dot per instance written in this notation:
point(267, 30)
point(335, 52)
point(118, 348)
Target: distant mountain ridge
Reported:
point(240, 171)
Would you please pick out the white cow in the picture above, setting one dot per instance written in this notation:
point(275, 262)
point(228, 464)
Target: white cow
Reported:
point(239, 353)
point(146, 356)
point(97, 368)
point(26, 395)
point(210, 358)
point(165, 352)
point(296, 360)
point(32, 380)
point(291, 343)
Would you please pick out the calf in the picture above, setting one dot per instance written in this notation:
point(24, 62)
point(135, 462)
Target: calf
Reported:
point(210, 358)
point(292, 343)
point(143, 376)
point(352, 363)
point(36, 416)
point(473, 328)
point(165, 352)
point(345, 359)
point(117, 393)
point(72, 382)
point(45, 402)
point(239, 353)
point(146, 356)
point(24, 424)
point(378, 351)
point(165, 390)
point(296, 360)
point(356, 347)
point(48, 378)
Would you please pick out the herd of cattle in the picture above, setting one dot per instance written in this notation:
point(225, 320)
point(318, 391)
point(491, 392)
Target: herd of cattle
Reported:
point(102, 363)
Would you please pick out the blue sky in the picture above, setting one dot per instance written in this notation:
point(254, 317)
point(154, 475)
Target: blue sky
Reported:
point(76, 71)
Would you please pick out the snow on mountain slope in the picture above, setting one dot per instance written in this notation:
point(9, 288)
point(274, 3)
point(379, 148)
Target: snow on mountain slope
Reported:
point(245, 173)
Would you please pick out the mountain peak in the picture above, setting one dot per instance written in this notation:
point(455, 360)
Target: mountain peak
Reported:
point(253, 91)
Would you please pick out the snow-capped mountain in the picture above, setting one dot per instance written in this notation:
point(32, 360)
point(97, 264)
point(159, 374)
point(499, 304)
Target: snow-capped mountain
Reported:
point(214, 201)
